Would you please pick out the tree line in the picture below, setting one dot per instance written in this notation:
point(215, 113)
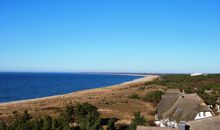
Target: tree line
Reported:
point(80, 117)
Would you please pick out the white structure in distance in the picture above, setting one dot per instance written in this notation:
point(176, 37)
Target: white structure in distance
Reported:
point(197, 74)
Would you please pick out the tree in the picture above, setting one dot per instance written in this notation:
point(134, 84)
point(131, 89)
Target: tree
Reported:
point(133, 96)
point(88, 116)
point(68, 113)
point(111, 124)
point(22, 122)
point(2, 126)
point(154, 96)
point(37, 124)
point(138, 120)
point(47, 121)
point(56, 124)
point(66, 117)
point(97, 124)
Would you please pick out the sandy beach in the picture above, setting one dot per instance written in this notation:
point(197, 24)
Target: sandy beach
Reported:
point(111, 101)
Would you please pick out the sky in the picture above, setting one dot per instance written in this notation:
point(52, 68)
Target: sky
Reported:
point(152, 36)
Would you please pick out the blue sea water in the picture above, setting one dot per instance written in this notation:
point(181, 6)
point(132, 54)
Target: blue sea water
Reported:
point(20, 86)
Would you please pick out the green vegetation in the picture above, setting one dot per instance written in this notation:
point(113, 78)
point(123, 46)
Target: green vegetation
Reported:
point(141, 88)
point(80, 117)
point(86, 115)
point(111, 124)
point(134, 96)
point(138, 120)
point(154, 96)
point(197, 84)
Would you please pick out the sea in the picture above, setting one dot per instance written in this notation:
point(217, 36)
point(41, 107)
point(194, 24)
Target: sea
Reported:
point(22, 86)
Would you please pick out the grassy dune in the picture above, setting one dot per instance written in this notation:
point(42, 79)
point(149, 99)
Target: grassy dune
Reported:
point(111, 101)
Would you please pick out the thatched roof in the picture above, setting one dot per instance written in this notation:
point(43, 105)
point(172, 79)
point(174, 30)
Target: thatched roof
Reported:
point(153, 128)
point(167, 101)
point(212, 123)
point(186, 108)
point(180, 107)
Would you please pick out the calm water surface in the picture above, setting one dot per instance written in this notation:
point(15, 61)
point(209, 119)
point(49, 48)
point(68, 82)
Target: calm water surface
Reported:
point(20, 86)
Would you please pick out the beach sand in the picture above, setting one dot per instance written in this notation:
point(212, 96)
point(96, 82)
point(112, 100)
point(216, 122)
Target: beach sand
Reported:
point(111, 101)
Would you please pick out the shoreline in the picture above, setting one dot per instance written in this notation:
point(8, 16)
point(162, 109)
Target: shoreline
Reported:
point(141, 80)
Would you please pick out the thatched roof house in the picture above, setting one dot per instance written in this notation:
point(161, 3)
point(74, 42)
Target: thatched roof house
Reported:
point(153, 128)
point(212, 123)
point(167, 101)
point(186, 108)
point(176, 106)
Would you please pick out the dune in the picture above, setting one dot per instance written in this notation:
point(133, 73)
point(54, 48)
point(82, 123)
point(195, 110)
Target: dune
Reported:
point(115, 95)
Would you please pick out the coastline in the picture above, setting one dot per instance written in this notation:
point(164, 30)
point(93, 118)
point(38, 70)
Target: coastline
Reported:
point(141, 80)
point(111, 101)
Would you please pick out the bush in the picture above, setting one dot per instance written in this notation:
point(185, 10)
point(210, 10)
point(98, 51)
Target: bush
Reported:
point(188, 90)
point(2, 126)
point(47, 123)
point(88, 117)
point(111, 124)
point(154, 96)
point(138, 120)
point(67, 114)
point(133, 96)
point(87, 114)
point(141, 88)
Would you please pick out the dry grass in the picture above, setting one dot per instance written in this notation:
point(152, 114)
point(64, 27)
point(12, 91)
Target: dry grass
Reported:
point(111, 101)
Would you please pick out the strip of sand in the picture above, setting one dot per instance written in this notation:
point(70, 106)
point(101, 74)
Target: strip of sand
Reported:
point(145, 79)
point(112, 101)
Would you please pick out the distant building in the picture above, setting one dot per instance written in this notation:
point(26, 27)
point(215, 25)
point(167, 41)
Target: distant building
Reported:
point(176, 106)
point(208, 91)
point(197, 74)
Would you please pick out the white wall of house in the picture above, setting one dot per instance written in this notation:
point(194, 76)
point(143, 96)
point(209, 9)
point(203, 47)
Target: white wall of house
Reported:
point(166, 123)
point(162, 125)
point(202, 115)
point(217, 107)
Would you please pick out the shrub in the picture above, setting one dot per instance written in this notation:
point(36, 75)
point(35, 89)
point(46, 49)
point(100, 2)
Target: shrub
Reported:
point(154, 96)
point(188, 90)
point(67, 114)
point(88, 117)
point(138, 120)
point(141, 88)
point(2, 126)
point(111, 124)
point(133, 96)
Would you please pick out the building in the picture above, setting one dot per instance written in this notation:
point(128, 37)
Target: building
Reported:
point(211, 123)
point(154, 128)
point(197, 74)
point(217, 105)
point(176, 106)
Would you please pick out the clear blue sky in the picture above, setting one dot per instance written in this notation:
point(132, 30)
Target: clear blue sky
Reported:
point(175, 36)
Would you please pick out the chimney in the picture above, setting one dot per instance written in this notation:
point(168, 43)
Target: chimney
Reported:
point(183, 125)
